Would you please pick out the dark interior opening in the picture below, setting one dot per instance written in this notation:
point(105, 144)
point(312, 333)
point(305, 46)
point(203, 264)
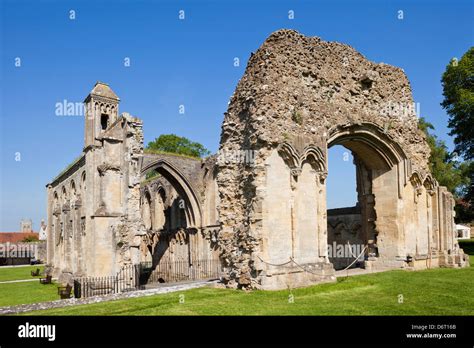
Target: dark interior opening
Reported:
point(366, 84)
point(104, 121)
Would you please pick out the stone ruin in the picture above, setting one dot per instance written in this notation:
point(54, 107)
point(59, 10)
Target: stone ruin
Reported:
point(258, 207)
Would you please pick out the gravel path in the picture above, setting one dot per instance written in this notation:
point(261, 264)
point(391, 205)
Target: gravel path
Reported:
point(22, 280)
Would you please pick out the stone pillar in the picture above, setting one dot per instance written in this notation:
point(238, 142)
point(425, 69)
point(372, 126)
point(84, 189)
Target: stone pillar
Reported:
point(366, 201)
point(56, 236)
point(387, 225)
point(77, 237)
point(50, 226)
point(322, 217)
point(67, 236)
point(430, 220)
point(442, 218)
point(434, 220)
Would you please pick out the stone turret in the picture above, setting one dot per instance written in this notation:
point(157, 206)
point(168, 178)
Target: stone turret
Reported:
point(101, 107)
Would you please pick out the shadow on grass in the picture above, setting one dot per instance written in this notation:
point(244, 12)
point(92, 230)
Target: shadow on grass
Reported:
point(468, 247)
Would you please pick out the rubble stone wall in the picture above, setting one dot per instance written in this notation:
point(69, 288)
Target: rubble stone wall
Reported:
point(298, 96)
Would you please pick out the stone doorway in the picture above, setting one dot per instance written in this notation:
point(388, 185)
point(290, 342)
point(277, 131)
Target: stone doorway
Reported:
point(350, 225)
point(372, 222)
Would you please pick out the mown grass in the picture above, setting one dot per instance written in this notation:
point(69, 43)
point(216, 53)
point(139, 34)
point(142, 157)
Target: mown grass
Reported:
point(18, 273)
point(429, 292)
point(27, 292)
point(24, 292)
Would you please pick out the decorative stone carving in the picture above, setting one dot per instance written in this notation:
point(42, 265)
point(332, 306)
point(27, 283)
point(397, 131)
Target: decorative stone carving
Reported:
point(106, 167)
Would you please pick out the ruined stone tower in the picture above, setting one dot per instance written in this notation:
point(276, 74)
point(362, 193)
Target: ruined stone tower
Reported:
point(26, 225)
point(93, 206)
point(101, 108)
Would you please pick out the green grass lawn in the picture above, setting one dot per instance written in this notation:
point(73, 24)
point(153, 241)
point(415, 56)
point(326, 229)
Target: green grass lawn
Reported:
point(27, 292)
point(17, 273)
point(24, 292)
point(430, 292)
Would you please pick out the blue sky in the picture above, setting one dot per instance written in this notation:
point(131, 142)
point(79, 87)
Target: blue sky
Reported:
point(188, 62)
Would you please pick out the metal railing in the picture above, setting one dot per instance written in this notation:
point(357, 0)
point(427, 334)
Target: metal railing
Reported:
point(181, 270)
point(134, 277)
point(127, 279)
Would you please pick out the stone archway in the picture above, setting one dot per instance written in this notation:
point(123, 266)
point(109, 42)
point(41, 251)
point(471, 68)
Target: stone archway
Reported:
point(183, 187)
point(381, 165)
point(302, 93)
point(179, 247)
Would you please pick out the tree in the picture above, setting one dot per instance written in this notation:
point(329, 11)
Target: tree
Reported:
point(30, 239)
point(179, 145)
point(445, 169)
point(465, 204)
point(456, 176)
point(458, 92)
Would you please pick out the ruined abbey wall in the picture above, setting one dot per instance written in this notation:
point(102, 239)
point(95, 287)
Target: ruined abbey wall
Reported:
point(258, 207)
point(105, 212)
point(300, 95)
point(94, 228)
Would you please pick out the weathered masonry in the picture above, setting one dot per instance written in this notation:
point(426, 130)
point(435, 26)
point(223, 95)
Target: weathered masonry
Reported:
point(104, 213)
point(262, 217)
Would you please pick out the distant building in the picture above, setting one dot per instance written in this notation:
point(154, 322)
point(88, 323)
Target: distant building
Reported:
point(13, 247)
point(26, 226)
point(42, 231)
point(26, 231)
point(463, 232)
point(16, 237)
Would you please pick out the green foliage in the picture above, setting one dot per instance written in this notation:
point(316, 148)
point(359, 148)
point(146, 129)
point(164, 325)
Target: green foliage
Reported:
point(445, 169)
point(458, 91)
point(30, 239)
point(468, 247)
point(296, 117)
point(179, 145)
point(464, 211)
point(152, 174)
point(465, 205)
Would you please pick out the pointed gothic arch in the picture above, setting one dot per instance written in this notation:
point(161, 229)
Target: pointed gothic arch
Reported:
point(182, 185)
